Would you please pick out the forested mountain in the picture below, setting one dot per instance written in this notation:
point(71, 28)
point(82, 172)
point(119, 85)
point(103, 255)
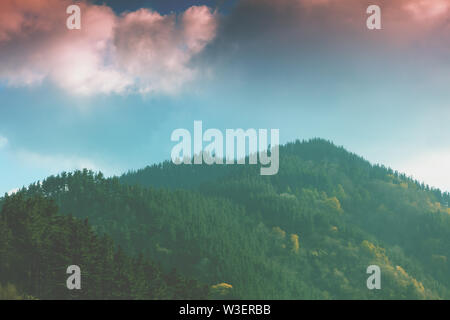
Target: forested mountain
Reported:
point(37, 245)
point(308, 232)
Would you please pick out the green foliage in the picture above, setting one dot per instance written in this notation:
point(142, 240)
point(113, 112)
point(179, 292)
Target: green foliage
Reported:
point(308, 232)
point(38, 245)
point(9, 292)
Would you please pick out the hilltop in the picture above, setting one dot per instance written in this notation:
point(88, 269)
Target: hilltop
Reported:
point(308, 232)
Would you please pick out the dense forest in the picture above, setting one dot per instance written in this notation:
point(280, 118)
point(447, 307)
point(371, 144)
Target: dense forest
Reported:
point(308, 232)
point(37, 245)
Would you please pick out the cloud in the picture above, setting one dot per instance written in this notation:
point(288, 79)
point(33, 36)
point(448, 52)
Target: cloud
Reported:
point(339, 25)
point(157, 50)
point(55, 163)
point(3, 142)
point(12, 191)
point(432, 167)
point(145, 51)
point(424, 9)
point(137, 51)
point(323, 48)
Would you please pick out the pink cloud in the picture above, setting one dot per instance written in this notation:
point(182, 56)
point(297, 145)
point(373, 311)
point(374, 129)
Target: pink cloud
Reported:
point(199, 27)
point(425, 9)
point(398, 15)
point(144, 51)
point(412, 29)
point(139, 51)
point(21, 17)
point(401, 18)
point(156, 50)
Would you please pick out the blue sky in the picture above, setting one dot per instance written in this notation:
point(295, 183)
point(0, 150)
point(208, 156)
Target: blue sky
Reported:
point(166, 6)
point(383, 96)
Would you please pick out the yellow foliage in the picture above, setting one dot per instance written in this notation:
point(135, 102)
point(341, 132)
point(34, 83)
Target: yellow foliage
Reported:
point(436, 206)
point(377, 252)
point(221, 288)
point(295, 243)
point(335, 204)
point(401, 271)
point(401, 276)
point(368, 245)
point(279, 232)
point(404, 185)
point(222, 285)
point(406, 279)
point(9, 292)
point(334, 228)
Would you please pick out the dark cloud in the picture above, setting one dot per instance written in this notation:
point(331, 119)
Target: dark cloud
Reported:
point(326, 42)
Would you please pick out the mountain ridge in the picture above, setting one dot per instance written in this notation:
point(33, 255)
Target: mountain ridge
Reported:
point(308, 232)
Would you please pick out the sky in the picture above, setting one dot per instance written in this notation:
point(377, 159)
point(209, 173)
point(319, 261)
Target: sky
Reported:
point(107, 97)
